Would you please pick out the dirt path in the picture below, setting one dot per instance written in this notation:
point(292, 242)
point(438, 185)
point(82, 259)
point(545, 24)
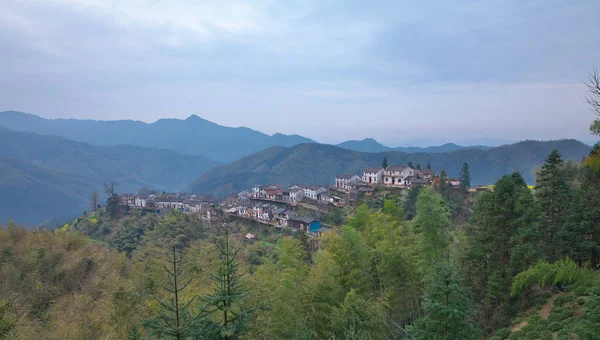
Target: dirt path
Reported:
point(543, 313)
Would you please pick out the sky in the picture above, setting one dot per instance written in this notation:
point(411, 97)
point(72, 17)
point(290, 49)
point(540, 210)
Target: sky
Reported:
point(398, 71)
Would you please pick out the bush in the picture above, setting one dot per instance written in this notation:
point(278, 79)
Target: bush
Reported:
point(534, 320)
point(562, 299)
point(546, 335)
point(579, 291)
point(555, 326)
point(581, 300)
point(565, 314)
point(517, 335)
point(532, 335)
point(495, 338)
point(556, 309)
point(554, 317)
point(542, 325)
point(564, 335)
point(539, 300)
point(503, 333)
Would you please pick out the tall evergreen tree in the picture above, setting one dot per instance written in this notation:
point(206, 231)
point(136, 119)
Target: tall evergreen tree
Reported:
point(410, 203)
point(432, 222)
point(224, 304)
point(447, 304)
point(465, 177)
point(174, 320)
point(410, 165)
point(587, 225)
point(418, 167)
point(445, 187)
point(553, 194)
point(428, 165)
point(384, 163)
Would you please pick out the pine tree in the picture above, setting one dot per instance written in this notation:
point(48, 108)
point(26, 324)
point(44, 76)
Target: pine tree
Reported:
point(447, 304)
point(418, 167)
point(428, 166)
point(224, 303)
point(384, 163)
point(432, 222)
point(552, 192)
point(174, 319)
point(410, 203)
point(410, 165)
point(465, 177)
point(445, 187)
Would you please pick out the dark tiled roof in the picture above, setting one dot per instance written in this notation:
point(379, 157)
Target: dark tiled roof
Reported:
point(306, 219)
point(426, 171)
point(366, 189)
point(279, 211)
point(373, 170)
point(344, 176)
point(395, 168)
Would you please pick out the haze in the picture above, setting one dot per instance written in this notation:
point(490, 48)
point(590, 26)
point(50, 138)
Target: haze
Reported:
point(329, 70)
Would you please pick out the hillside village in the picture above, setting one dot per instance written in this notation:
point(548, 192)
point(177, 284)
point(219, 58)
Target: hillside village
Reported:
point(276, 205)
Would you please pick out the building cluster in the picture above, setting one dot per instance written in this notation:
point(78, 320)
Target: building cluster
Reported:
point(294, 194)
point(204, 206)
point(392, 176)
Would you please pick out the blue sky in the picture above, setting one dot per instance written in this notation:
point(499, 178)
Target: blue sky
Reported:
point(398, 71)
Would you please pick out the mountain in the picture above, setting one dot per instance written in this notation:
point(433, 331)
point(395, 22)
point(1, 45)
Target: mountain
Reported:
point(132, 167)
point(365, 145)
point(371, 145)
point(32, 195)
point(47, 176)
point(192, 136)
point(318, 164)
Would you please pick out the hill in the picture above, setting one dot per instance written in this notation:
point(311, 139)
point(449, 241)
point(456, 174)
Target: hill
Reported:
point(192, 136)
point(371, 145)
point(32, 195)
point(318, 163)
point(131, 166)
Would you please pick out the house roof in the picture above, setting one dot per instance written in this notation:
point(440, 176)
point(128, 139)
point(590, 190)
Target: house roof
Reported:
point(373, 170)
point(395, 168)
point(366, 189)
point(314, 187)
point(416, 180)
point(306, 219)
point(426, 171)
point(344, 176)
point(279, 211)
point(323, 230)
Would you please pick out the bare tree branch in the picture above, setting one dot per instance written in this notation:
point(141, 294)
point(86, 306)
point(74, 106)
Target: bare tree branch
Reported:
point(593, 98)
point(110, 188)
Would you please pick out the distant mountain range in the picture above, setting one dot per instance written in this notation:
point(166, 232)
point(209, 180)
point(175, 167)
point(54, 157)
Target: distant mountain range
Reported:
point(318, 164)
point(371, 145)
point(193, 136)
point(52, 170)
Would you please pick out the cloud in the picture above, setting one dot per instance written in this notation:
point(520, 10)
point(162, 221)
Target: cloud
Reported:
point(394, 70)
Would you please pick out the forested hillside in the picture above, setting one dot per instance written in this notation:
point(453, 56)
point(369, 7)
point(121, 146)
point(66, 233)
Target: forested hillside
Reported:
point(319, 164)
point(46, 177)
point(193, 136)
point(32, 195)
point(522, 268)
point(371, 145)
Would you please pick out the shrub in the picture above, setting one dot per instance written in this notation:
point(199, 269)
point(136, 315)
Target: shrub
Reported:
point(564, 335)
point(546, 335)
point(542, 325)
point(503, 333)
point(566, 313)
point(555, 326)
point(562, 299)
point(516, 335)
point(539, 300)
point(532, 335)
point(534, 320)
point(579, 291)
point(495, 338)
point(528, 328)
point(556, 309)
point(581, 300)
point(554, 317)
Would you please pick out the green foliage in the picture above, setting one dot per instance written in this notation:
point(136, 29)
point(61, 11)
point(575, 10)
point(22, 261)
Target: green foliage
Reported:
point(410, 203)
point(517, 335)
point(554, 326)
point(544, 274)
point(533, 335)
point(546, 335)
point(384, 163)
point(465, 177)
point(503, 333)
point(174, 319)
point(432, 223)
point(225, 301)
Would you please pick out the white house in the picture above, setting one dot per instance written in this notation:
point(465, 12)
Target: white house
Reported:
point(373, 176)
point(313, 191)
point(394, 175)
point(256, 191)
point(425, 173)
point(345, 181)
point(296, 195)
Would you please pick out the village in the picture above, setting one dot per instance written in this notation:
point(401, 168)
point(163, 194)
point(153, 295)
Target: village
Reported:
point(275, 205)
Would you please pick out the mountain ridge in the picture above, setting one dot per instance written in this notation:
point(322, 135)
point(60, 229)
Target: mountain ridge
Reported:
point(319, 163)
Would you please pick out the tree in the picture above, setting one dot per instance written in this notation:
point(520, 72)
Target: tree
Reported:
point(410, 203)
point(94, 201)
point(465, 177)
point(361, 217)
point(447, 304)
point(432, 222)
point(410, 165)
point(428, 165)
point(553, 194)
point(113, 206)
point(223, 304)
point(384, 163)
point(593, 98)
point(445, 187)
point(418, 167)
point(174, 319)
